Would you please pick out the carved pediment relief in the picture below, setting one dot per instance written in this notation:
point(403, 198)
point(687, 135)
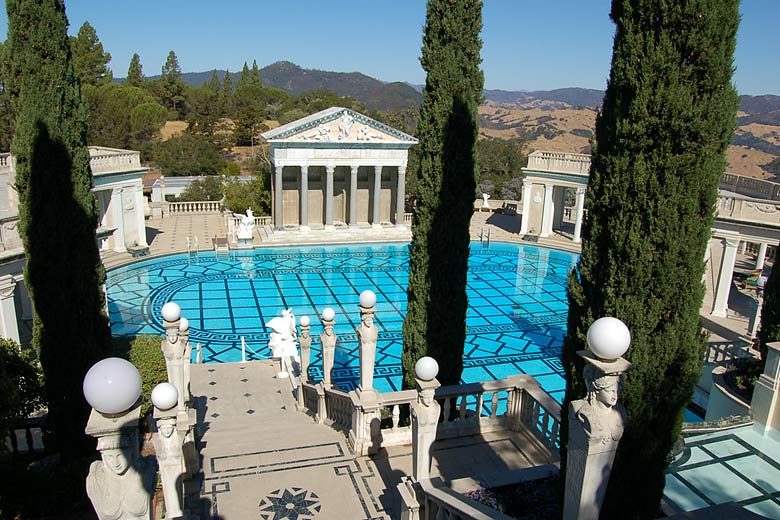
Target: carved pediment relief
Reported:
point(337, 125)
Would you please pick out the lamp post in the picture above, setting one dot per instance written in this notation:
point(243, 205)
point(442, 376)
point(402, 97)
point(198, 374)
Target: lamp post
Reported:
point(425, 416)
point(120, 484)
point(596, 423)
point(168, 446)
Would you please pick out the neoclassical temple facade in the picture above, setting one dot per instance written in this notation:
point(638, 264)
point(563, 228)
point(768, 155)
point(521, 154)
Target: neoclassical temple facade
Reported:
point(338, 168)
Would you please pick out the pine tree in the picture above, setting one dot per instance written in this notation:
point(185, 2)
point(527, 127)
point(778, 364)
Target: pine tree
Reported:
point(228, 105)
point(58, 214)
point(668, 116)
point(435, 323)
point(89, 58)
point(172, 83)
point(135, 74)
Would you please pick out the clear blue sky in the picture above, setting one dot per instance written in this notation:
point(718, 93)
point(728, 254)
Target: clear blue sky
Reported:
point(528, 44)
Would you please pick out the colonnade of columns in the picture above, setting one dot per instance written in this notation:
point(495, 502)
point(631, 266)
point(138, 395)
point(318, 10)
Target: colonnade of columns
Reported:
point(731, 245)
point(552, 209)
point(376, 195)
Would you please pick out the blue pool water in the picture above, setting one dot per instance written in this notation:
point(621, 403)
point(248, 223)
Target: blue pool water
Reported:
point(515, 324)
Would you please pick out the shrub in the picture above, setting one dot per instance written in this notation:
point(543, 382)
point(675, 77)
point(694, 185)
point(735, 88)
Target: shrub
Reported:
point(21, 385)
point(144, 352)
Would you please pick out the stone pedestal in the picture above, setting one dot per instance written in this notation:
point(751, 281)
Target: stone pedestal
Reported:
point(364, 436)
point(168, 446)
point(765, 405)
point(120, 485)
point(595, 427)
point(425, 419)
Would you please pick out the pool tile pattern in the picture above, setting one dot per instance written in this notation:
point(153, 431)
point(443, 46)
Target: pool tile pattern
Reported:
point(515, 322)
point(738, 465)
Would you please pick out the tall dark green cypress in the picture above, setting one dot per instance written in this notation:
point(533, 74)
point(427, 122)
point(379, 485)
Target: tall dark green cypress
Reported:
point(58, 213)
point(435, 323)
point(668, 116)
point(770, 312)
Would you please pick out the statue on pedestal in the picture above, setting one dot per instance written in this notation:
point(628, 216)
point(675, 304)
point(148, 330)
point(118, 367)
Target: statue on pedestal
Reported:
point(600, 413)
point(246, 226)
point(328, 341)
point(425, 416)
point(119, 484)
point(168, 445)
point(367, 335)
point(282, 341)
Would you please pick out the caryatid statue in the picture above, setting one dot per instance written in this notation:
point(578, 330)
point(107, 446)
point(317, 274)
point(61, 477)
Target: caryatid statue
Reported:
point(425, 416)
point(600, 413)
point(120, 484)
point(367, 333)
point(305, 341)
point(328, 342)
point(174, 348)
point(168, 446)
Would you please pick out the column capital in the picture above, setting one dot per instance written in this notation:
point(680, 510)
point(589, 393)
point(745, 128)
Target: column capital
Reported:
point(354, 168)
point(731, 242)
point(7, 286)
point(330, 168)
point(402, 169)
point(549, 187)
point(278, 169)
point(580, 190)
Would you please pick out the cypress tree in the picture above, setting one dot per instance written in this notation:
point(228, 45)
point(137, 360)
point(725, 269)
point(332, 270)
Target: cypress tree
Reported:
point(770, 313)
point(668, 116)
point(435, 323)
point(135, 74)
point(58, 214)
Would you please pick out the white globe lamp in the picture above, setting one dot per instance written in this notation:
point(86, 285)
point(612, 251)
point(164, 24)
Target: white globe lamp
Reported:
point(112, 386)
point(165, 396)
point(608, 338)
point(171, 311)
point(328, 314)
point(367, 299)
point(184, 325)
point(426, 368)
point(305, 321)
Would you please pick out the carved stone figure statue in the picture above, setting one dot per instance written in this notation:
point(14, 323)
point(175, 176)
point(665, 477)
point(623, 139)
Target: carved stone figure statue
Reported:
point(367, 335)
point(485, 198)
point(600, 413)
point(282, 341)
point(346, 124)
point(247, 225)
point(174, 348)
point(305, 341)
point(168, 445)
point(425, 419)
point(328, 341)
point(118, 485)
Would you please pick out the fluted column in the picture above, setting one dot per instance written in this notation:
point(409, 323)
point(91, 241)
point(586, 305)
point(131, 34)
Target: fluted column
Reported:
point(139, 215)
point(119, 220)
point(729, 258)
point(580, 212)
point(304, 198)
point(527, 187)
point(400, 207)
point(10, 327)
point(353, 196)
point(278, 212)
point(377, 195)
point(547, 211)
point(761, 256)
point(329, 196)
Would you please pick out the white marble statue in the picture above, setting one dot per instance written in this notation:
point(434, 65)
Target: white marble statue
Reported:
point(283, 335)
point(600, 413)
point(247, 225)
point(168, 446)
point(367, 335)
point(328, 341)
point(485, 198)
point(345, 125)
point(119, 484)
point(425, 419)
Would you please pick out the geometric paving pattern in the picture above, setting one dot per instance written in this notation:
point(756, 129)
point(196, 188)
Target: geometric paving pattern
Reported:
point(737, 465)
point(515, 323)
point(290, 503)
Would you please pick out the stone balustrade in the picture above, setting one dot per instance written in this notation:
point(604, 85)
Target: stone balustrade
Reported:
point(6, 163)
point(9, 233)
point(578, 163)
point(753, 211)
point(104, 160)
point(191, 208)
point(439, 501)
point(507, 404)
point(750, 186)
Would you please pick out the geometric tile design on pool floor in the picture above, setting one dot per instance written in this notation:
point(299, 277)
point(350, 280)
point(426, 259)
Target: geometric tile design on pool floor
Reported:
point(515, 323)
point(737, 465)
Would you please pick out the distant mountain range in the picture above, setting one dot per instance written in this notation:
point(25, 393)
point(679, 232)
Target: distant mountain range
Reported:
point(380, 95)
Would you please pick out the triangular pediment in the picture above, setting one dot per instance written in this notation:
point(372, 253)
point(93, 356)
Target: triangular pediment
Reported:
point(338, 125)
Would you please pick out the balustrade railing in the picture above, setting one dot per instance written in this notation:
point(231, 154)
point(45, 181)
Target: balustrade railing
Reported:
point(507, 404)
point(26, 436)
point(442, 503)
point(578, 163)
point(408, 218)
point(749, 210)
point(104, 160)
point(771, 251)
point(9, 234)
point(750, 186)
point(196, 207)
point(6, 163)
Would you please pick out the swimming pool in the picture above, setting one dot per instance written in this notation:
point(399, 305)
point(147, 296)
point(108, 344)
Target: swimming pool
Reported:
point(515, 324)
